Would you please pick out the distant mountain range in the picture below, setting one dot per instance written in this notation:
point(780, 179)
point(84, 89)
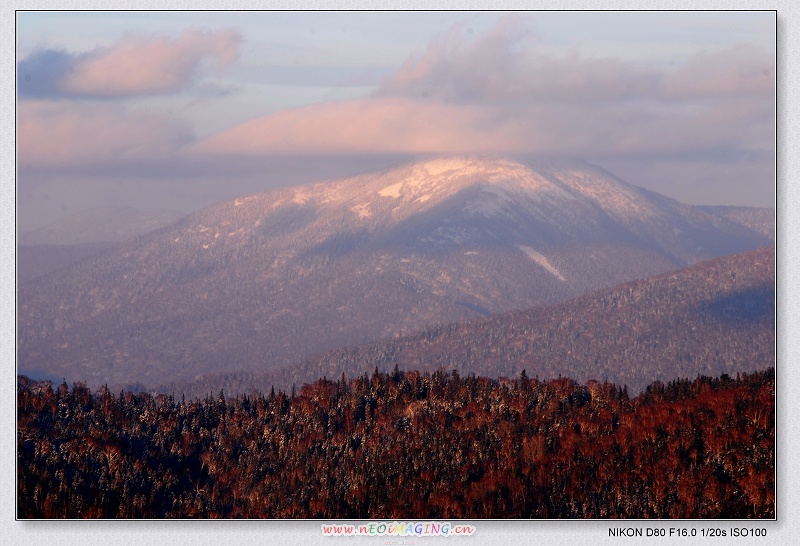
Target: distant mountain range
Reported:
point(760, 220)
point(83, 235)
point(263, 281)
point(37, 260)
point(99, 225)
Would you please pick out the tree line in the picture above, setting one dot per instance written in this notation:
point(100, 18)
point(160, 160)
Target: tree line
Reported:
point(402, 445)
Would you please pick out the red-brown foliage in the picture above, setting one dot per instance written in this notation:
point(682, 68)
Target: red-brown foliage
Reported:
point(403, 445)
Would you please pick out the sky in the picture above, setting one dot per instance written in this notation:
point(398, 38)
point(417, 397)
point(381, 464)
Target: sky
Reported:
point(179, 110)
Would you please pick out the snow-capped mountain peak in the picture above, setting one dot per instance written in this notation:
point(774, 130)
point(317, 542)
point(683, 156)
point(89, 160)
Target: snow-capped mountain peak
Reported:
point(267, 279)
point(444, 176)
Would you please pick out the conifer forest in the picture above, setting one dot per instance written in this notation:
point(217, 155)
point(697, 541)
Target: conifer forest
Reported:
point(402, 445)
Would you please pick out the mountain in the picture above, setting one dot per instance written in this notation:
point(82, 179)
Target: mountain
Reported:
point(266, 280)
point(760, 220)
point(36, 260)
point(99, 225)
point(716, 317)
point(83, 235)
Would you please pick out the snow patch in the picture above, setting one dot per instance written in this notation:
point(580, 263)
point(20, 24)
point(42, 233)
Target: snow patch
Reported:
point(542, 261)
point(362, 210)
point(391, 191)
point(300, 197)
point(436, 167)
point(242, 200)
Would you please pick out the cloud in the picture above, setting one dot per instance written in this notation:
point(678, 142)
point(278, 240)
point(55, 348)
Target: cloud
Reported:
point(133, 66)
point(502, 66)
point(403, 125)
point(380, 125)
point(496, 93)
point(68, 134)
point(40, 74)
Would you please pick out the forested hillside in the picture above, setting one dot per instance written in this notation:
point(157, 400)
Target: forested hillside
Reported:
point(760, 220)
point(403, 445)
point(716, 317)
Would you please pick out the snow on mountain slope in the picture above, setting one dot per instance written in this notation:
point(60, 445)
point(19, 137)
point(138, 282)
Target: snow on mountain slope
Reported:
point(402, 192)
point(551, 202)
point(308, 215)
point(267, 279)
point(542, 261)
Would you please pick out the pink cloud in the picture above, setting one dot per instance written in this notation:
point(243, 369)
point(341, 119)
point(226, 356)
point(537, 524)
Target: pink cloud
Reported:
point(378, 125)
point(495, 94)
point(65, 134)
point(490, 94)
point(143, 66)
point(402, 125)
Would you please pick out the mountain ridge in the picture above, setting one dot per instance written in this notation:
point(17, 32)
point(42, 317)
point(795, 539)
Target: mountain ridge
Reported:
point(276, 276)
point(104, 224)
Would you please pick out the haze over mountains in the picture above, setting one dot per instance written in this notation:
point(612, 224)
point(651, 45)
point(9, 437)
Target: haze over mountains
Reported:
point(263, 281)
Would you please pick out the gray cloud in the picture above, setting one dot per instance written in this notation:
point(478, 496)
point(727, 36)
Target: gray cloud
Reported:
point(504, 67)
point(134, 66)
point(39, 74)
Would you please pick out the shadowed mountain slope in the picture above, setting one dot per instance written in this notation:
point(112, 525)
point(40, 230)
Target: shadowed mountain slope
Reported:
point(713, 318)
